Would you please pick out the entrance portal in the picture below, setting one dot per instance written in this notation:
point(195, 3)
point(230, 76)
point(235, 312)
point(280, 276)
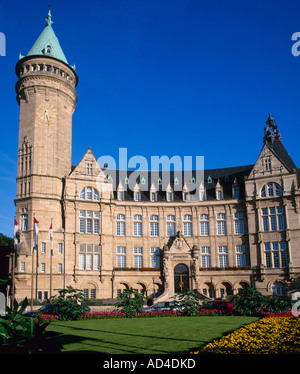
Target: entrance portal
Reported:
point(181, 278)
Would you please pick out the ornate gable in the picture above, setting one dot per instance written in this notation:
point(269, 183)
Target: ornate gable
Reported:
point(88, 167)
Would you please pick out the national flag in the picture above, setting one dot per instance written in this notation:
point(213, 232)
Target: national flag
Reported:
point(51, 238)
point(35, 233)
point(16, 228)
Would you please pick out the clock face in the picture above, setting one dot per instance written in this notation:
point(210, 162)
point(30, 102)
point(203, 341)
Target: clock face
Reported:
point(46, 113)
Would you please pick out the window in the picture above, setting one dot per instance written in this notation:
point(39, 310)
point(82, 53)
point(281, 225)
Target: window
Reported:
point(89, 193)
point(59, 268)
point(238, 223)
point(89, 257)
point(278, 289)
point(88, 222)
point(205, 257)
point(82, 194)
point(96, 195)
point(272, 219)
point(276, 255)
point(169, 196)
point(89, 169)
point(186, 196)
point(22, 267)
point(154, 254)
point(138, 257)
point(201, 193)
point(219, 194)
point(43, 267)
point(120, 225)
point(223, 256)
point(235, 191)
point(153, 196)
point(43, 248)
point(120, 195)
point(204, 225)
point(187, 225)
point(268, 164)
point(48, 49)
point(137, 225)
point(270, 190)
point(154, 228)
point(171, 230)
point(121, 257)
point(221, 224)
point(24, 222)
point(240, 255)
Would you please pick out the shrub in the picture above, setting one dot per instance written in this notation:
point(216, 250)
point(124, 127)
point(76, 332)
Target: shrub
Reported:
point(131, 302)
point(21, 333)
point(248, 301)
point(68, 304)
point(188, 302)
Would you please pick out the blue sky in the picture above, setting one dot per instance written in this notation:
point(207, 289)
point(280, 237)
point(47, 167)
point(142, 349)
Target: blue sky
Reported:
point(161, 77)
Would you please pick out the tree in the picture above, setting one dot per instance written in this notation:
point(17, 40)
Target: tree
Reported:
point(68, 304)
point(131, 302)
point(248, 301)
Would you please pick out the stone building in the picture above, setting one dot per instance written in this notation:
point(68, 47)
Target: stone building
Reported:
point(237, 227)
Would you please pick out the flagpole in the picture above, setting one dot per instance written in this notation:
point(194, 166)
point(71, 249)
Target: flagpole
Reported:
point(51, 254)
point(36, 269)
point(32, 266)
point(13, 270)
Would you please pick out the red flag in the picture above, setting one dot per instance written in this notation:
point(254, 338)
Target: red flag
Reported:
point(16, 228)
point(36, 230)
point(51, 238)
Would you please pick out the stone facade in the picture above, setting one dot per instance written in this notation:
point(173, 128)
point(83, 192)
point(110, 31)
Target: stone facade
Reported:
point(243, 230)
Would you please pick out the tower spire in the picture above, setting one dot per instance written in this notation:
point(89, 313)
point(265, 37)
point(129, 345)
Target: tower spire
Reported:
point(49, 17)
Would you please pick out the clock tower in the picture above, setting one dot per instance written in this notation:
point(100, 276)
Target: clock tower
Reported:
point(47, 99)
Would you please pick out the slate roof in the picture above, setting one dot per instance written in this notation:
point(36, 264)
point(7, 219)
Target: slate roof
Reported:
point(146, 179)
point(278, 149)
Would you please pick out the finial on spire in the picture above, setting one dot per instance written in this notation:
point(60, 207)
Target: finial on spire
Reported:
point(271, 135)
point(49, 17)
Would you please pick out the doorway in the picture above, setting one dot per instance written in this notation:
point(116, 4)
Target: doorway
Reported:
point(181, 278)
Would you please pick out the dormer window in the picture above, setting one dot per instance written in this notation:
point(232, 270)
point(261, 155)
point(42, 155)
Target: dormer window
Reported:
point(235, 190)
point(219, 192)
point(48, 50)
point(201, 192)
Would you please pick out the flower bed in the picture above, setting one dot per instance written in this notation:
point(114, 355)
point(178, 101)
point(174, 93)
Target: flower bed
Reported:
point(146, 314)
point(47, 318)
point(268, 335)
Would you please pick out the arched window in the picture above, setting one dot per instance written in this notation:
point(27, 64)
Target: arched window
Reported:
point(96, 195)
point(270, 190)
point(82, 194)
point(89, 193)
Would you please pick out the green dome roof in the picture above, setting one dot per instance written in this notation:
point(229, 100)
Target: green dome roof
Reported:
point(47, 43)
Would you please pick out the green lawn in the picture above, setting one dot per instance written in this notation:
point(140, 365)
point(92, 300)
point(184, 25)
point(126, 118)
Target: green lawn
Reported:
point(165, 335)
